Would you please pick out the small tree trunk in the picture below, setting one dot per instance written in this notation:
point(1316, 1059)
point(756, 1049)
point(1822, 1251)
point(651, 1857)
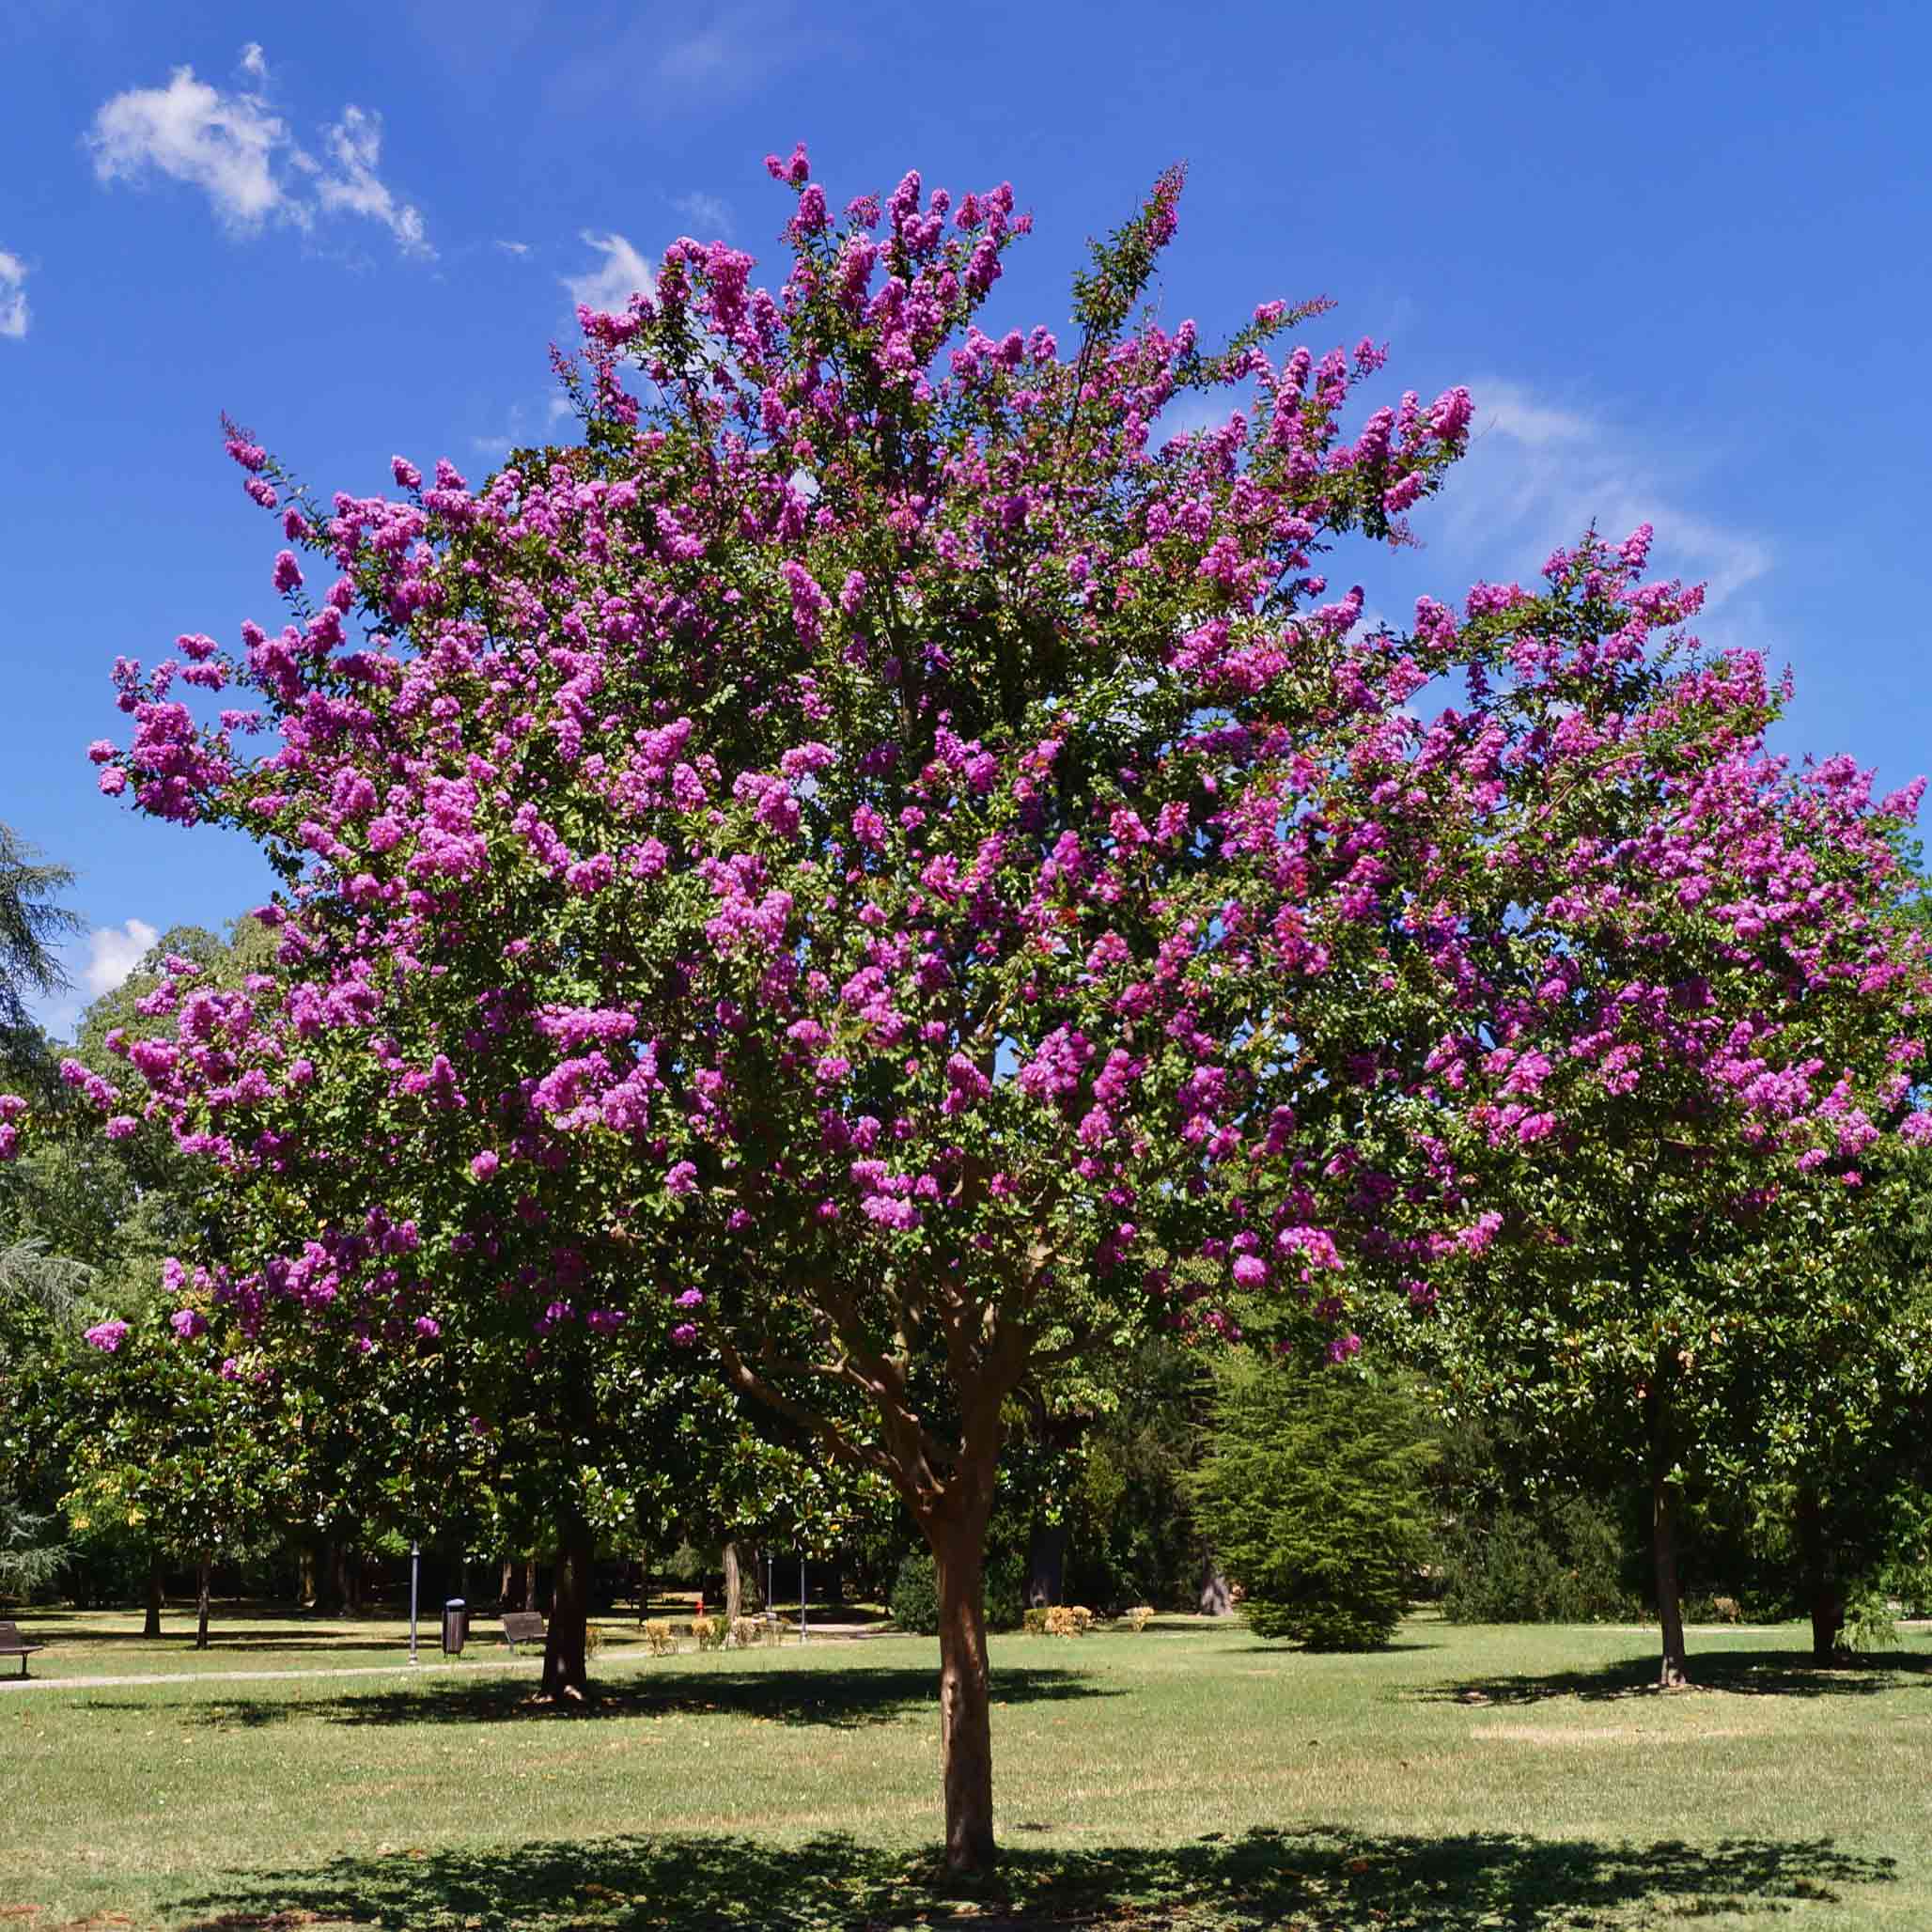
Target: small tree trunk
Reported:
point(1674, 1672)
point(1046, 1564)
point(734, 1586)
point(566, 1673)
point(308, 1585)
point(965, 1698)
point(1216, 1597)
point(502, 1592)
point(201, 1602)
point(529, 1582)
point(1822, 1590)
point(151, 1625)
point(643, 1588)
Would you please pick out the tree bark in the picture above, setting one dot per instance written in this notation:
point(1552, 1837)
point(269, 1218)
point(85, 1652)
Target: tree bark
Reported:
point(306, 1587)
point(566, 1673)
point(1824, 1594)
point(529, 1582)
point(734, 1586)
point(965, 1692)
point(201, 1602)
point(151, 1625)
point(1674, 1673)
point(1046, 1564)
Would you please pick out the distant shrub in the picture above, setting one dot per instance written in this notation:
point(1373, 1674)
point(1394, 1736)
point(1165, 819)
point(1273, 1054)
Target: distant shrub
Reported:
point(745, 1631)
point(1869, 1624)
point(914, 1602)
point(1312, 1497)
point(1034, 1620)
point(660, 1639)
point(711, 1631)
point(1560, 1565)
point(1068, 1620)
point(593, 1639)
point(1138, 1617)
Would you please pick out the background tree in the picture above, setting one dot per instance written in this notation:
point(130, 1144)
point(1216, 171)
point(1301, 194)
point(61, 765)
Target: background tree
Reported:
point(33, 922)
point(1688, 1026)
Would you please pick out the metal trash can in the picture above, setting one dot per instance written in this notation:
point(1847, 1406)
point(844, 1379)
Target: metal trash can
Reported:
point(456, 1626)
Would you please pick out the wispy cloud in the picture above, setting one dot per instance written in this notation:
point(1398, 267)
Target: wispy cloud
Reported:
point(620, 275)
point(350, 185)
point(706, 212)
point(1538, 472)
point(113, 953)
point(237, 149)
point(514, 247)
point(13, 296)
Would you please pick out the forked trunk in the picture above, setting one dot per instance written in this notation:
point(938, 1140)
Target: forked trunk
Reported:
point(1675, 1673)
point(1046, 1564)
point(151, 1625)
point(965, 1701)
point(201, 1602)
point(565, 1672)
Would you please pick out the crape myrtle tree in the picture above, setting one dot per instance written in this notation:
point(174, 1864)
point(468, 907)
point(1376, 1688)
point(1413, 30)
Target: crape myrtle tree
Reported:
point(1688, 1026)
point(809, 872)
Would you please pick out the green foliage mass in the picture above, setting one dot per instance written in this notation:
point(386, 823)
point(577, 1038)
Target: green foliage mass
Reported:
point(1313, 1496)
point(915, 1595)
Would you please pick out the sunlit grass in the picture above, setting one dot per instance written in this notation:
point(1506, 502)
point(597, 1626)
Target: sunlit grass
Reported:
point(1190, 1775)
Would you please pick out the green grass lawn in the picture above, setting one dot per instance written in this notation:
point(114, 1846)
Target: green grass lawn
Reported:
point(1187, 1776)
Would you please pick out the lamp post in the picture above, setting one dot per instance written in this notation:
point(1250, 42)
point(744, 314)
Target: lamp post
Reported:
point(416, 1552)
point(802, 1596)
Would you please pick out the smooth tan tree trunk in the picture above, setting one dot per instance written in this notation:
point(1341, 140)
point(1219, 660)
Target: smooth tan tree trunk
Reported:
point(151, 1625)
point(565, 1671)
point(305, 1589)
point(734, 1586)
point(965, 1699)
point(201, 1604)
point(1674, 1673)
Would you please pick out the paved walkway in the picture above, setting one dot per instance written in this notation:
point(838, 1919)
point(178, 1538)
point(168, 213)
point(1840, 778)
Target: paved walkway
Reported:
point(357, 1670)
point(816, 1634)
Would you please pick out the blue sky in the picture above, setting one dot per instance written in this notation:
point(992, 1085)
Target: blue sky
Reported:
point(1678, 251)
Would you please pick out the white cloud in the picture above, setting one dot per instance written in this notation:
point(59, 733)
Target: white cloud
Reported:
point(13, 297)
point(113, 953)
point(239, 152)
point(514, 247)
point(609, 287)
point(706, 212)
point(193, 132)
point(354, 146)
point(1539, 474)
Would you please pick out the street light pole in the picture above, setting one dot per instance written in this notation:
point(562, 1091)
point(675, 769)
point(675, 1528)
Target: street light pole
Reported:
point(802, 1596)
point(416, 1552)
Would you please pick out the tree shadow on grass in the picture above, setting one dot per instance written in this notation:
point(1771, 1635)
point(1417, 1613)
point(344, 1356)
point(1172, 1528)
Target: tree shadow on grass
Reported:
point(1314, 1875)
point(1751, 1673)
point(841, 1699)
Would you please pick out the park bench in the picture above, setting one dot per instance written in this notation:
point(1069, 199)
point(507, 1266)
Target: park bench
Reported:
point(12, 1645)
point(521, 1627)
